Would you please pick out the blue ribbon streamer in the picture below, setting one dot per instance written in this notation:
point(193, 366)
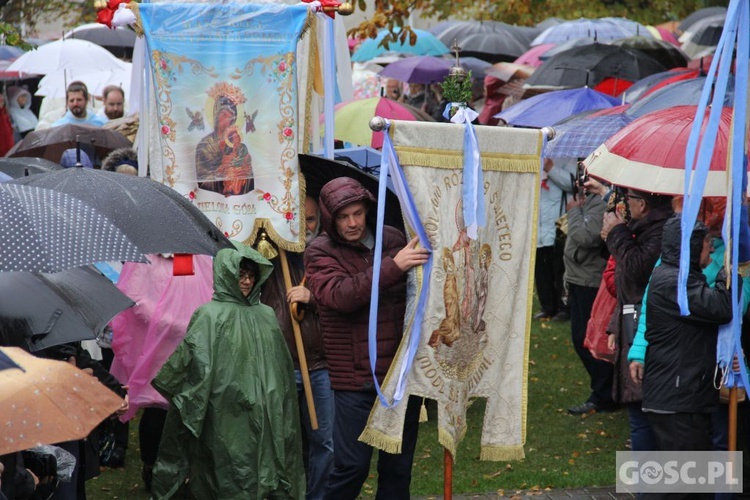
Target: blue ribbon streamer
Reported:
point(473, 178)
point(736, 30)
point(704, 145)
point(389, 163)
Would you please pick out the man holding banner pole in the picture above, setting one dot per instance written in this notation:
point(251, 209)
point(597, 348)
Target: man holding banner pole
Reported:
point(339, 268)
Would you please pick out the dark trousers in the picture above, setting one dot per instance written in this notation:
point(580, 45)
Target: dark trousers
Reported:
point(601, 373)
point(150, 429)
point(682, 431)
point(548, 277)
point(351, 458)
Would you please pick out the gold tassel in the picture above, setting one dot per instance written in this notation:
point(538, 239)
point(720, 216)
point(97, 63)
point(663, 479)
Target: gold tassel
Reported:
point(423, 412)
point(265, 247)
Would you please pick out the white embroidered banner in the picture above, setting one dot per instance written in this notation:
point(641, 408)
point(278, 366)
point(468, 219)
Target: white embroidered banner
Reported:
point(474, 338)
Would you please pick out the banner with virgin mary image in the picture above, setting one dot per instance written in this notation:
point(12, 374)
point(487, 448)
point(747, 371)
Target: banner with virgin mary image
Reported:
point(224, 81)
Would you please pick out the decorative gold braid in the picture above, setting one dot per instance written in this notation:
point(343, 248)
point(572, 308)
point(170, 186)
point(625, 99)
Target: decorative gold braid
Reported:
point(309, 86)
point(138, 24)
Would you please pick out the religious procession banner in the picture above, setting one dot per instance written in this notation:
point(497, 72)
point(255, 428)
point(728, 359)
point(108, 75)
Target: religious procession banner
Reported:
point(225, 89)
point(475, 332)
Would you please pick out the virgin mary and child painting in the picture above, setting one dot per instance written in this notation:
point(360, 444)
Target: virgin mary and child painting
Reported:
point(222, 161)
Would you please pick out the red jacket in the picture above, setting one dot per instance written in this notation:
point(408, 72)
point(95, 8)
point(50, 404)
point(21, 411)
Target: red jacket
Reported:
point(339, 276)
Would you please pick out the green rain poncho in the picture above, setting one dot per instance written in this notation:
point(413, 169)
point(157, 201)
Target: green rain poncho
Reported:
point(233, 423)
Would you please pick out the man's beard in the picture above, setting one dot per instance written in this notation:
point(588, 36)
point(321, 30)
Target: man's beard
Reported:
point(310, 235)
point(78, 112)
point(113, 115)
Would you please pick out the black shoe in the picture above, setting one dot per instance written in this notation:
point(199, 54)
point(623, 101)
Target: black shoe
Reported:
point(117, 458)
point(587, 407)
point(542, 315)
point(561, 316)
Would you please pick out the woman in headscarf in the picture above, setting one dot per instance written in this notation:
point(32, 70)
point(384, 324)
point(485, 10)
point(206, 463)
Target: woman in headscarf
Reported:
point(19, 106)
point(233, 423)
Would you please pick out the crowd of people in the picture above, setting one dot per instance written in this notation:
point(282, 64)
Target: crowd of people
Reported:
point(17, 119)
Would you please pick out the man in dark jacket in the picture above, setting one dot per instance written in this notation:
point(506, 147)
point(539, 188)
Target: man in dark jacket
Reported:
point(339, 267)
point(678, 384)
point(319, 441)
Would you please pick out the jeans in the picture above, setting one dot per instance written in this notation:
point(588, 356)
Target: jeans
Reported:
point(642, 437)
point(320, 441)
point(352, 457)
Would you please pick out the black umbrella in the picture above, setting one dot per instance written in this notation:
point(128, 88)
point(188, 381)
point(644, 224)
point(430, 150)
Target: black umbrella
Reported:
point(700, 14)
point(47, 231)
point(119, 41)
point(50, 143)
point(22, 167)
point(156, 217)
point(590, 64)
point(71, 305)
point(664, 52)
point(318, 171)
point(490, 41)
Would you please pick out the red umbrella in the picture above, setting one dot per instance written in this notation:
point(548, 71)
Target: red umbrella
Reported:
point(649, 153)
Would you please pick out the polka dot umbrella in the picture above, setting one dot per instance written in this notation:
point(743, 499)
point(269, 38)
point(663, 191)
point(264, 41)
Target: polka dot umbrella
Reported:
point(47, 231)
point(46, 401)
point(155, 217)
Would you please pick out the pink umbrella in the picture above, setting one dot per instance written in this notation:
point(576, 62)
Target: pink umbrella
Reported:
point(531, 56)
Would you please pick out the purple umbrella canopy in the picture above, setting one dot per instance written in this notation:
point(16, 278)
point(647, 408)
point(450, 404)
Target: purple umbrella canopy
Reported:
point(547, 109)
point(418, 69)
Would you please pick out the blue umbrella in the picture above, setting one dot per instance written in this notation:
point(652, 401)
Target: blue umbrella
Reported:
point(427, 45)
point(601, 29)
point(684, 92)
point(580, 135)
point(547, 109)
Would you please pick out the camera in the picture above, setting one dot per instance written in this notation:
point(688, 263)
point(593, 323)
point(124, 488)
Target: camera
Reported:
point(578, 181)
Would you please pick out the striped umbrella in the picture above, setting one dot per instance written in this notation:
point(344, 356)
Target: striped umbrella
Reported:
point(649, 153)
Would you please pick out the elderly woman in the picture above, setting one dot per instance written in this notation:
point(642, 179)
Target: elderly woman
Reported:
point(233, 423)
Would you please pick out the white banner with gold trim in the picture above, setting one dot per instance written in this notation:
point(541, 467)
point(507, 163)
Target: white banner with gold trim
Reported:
point(475, 333)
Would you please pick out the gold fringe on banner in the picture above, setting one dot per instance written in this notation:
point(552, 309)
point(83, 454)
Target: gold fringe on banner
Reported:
point(381, 441)
point(440, 158)
point(501, 453)
point(312, 69)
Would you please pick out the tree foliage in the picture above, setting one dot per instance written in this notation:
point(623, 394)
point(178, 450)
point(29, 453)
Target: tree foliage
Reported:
point(393, 14)
point(29, 13)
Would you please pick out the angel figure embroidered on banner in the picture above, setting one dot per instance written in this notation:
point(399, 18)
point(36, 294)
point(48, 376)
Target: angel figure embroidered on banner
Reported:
point(450, 326)
point(222, 161)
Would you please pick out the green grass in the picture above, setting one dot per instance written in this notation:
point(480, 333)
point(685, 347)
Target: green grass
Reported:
point(562, 451)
